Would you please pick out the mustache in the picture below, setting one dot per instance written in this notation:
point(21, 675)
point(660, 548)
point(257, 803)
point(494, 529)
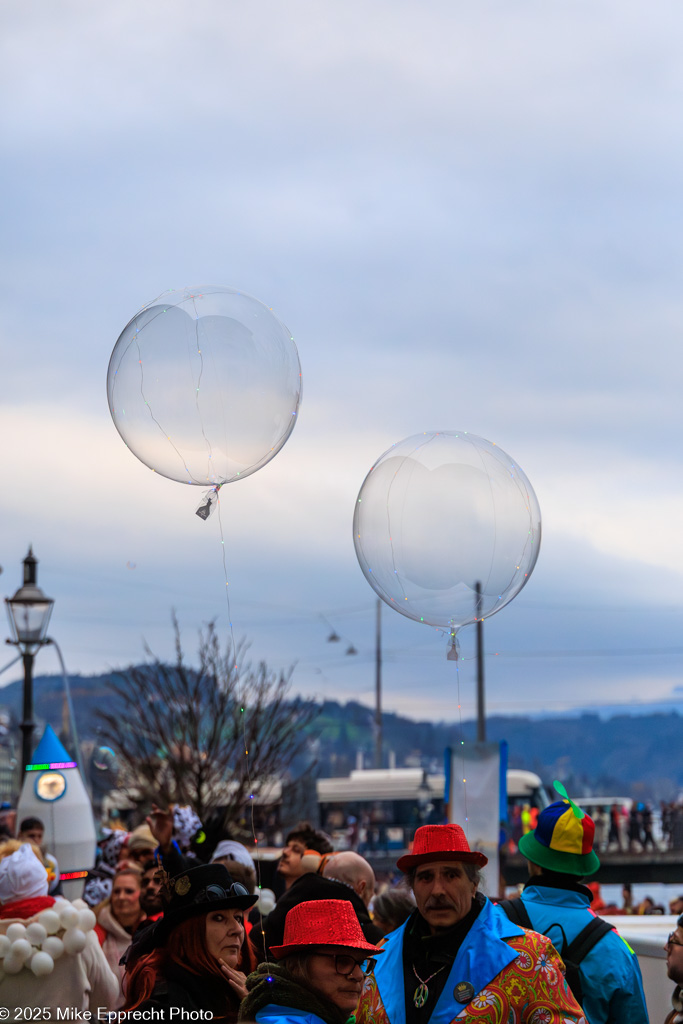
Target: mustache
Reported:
point(440, 903)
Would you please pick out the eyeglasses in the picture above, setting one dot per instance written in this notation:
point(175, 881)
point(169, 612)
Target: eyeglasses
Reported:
point(346, 965)
point(673, 941)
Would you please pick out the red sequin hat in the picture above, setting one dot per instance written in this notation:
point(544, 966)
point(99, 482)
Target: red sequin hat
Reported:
point(322, 923)
point(440, 842)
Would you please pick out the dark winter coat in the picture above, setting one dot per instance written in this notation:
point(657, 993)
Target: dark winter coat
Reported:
point(315, 887)
point(190, 991)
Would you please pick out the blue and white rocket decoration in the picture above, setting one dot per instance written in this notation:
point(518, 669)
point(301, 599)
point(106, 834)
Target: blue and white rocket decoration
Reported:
point(53, 791)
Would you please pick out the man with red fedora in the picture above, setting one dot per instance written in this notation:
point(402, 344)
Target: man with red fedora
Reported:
point(601, 969)
point(458, 955)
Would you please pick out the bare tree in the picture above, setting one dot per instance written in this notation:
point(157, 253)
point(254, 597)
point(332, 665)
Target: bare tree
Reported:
point(209, 736)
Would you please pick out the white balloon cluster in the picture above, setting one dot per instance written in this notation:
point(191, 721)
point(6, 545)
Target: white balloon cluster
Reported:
point(36, 946)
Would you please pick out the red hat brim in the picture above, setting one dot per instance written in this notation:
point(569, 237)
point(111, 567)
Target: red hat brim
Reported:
point(413, 860)
point(296, 947)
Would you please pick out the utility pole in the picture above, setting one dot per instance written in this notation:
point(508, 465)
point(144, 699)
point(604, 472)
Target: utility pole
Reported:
point(378, 686)
point(481, 710)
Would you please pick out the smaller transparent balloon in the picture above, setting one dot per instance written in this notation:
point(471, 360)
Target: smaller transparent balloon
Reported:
point(204, 385)
point(104, 759)
point(440, 513)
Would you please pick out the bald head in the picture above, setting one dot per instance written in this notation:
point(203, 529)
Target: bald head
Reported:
point(354, 870)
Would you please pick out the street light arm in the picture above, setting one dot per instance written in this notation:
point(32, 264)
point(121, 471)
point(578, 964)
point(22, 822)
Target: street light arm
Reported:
point(67, 690)
point(12, 662)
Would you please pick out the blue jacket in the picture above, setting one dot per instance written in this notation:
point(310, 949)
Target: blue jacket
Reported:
point(274, 1014)
point(610, 975)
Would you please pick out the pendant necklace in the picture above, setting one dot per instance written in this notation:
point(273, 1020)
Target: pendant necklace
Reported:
point(421, 993)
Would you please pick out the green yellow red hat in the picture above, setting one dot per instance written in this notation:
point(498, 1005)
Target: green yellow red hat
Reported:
point(562, 840)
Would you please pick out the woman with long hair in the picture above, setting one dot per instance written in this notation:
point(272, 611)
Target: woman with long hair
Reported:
point(118, 916)
point(196, 956)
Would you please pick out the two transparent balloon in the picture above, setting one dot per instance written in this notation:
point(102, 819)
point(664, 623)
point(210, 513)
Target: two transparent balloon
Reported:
point(204, 386)
point(447, 529)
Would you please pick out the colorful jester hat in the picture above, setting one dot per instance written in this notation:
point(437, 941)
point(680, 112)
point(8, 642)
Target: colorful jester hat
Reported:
point(563, 839)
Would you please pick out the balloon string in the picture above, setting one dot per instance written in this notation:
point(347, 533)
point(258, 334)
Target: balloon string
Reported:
point(462, 741)
point(243, 716)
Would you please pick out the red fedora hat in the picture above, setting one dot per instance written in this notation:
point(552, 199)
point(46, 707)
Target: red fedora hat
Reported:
point(440, 842)
point(322, 923)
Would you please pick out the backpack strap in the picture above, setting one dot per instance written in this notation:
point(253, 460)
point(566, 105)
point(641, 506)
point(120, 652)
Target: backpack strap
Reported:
point(516, 912)
point(581, 946)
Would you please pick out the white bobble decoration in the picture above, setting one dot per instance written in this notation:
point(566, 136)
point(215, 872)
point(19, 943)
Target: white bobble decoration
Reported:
point(54, 946)
point(68, 916)
point(50, 921)
point(36, 933)
point(86, 920)
point(4, 945)
point(74, 940)
point(41, 964)
point(12, 966)
point(21, 950)
point(16, 931)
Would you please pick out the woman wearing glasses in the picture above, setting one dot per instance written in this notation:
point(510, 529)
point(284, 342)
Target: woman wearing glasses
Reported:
point(674, 969)
point(319, 969)
point(196, 956)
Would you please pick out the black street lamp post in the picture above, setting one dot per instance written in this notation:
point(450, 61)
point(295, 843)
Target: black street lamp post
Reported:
point(29, 614)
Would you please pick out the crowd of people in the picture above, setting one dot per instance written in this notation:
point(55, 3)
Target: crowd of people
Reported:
point(161, 935)
point(632, 828)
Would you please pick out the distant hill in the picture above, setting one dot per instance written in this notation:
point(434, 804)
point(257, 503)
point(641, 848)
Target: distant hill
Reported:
point(629, 755)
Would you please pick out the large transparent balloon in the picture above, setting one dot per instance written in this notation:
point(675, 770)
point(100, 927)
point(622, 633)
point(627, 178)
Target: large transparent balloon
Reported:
point(204, 385)
point(440, 513)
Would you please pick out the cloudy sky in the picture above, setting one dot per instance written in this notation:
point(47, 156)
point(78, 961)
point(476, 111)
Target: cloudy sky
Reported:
point(469, 217)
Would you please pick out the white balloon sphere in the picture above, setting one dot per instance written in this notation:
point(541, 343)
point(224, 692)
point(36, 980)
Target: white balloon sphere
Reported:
point(440, 513)
point(36, 933)
point(74, 940)
point(54, 946)
point(86, 919)
point(4, 945)
point(266, 901)
point(41, 964)
point(10, 965)
point(21, 949)
point(68, 916)
point(204, 385)
point(50, 921)
point(16, 931)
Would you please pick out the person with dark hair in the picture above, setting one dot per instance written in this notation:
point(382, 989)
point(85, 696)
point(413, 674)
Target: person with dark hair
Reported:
point(674, 970)
point(458, 955)
point(32, 830)
point(319, 969)
point(300, 840)
point(392, 907)
point(347, 876)
point(195, 958)
point(602, 970)
point(150, 890)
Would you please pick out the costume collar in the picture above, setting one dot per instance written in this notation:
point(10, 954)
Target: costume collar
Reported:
point(483, 955)
point(558, 897)
point(558, 881)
